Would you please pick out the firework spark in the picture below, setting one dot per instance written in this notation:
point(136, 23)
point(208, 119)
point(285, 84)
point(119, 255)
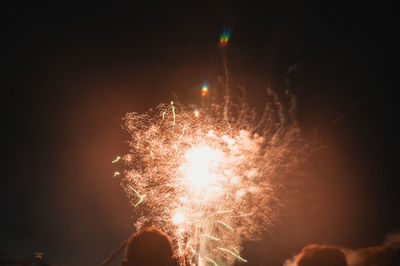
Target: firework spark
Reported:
point(209, 180)
point(116, 159)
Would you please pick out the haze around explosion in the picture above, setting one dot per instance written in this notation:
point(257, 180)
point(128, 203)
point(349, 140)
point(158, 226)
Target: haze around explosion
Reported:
point(207, 176)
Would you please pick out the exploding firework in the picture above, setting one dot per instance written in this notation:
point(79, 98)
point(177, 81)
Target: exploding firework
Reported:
point(209, 180)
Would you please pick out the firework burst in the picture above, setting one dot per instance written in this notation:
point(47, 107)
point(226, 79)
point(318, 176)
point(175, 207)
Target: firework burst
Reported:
point(208, 178)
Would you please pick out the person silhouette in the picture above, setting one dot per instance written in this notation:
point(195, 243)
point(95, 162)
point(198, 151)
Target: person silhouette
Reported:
point(149, 247)
point(315, 255)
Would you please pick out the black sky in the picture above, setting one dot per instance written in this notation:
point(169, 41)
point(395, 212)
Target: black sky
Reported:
point(70, 72)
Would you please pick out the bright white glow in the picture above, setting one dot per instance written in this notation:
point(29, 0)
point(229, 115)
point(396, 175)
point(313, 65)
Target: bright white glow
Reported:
point(200, 167)
point(178, 218)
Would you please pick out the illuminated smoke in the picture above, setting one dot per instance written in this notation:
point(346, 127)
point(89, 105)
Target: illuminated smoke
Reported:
point(209, 180)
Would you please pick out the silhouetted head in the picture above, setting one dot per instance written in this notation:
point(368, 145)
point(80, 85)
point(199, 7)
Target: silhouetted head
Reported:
point(149, 247)
point(315, 255)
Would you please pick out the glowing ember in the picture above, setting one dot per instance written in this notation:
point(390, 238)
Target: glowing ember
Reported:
point(204, 90)
point(224, 37)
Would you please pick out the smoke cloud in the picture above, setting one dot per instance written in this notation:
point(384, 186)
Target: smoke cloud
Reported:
point(387, 254)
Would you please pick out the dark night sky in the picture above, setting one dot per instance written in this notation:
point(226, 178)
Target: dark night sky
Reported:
point(70, 72)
